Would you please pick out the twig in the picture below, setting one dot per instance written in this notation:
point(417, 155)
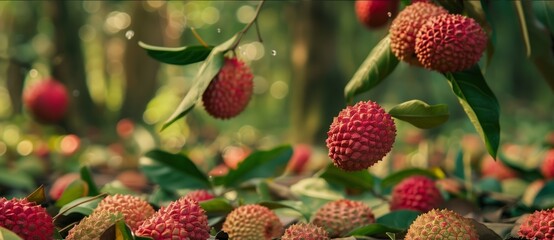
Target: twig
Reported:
point(86, 201)
point(258, 32)
point(197, 36)
point(247, 27)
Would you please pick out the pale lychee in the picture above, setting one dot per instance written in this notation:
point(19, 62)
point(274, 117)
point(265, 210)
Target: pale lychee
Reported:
point(134, 210)
point(252, 222)
point(305, 231)
point(92, 227)
point(416, 193)
point(442, 224)
point(342, 216)
point(538, 225)
point(229, 92)
point(360, 136)
point(375, 13)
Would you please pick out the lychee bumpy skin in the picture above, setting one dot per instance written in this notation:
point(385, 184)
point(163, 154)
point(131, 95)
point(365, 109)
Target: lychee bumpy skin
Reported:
point(92, 226)
point(230, 91)
point(26, 219)
point(416, 193)
point(252, 222)
point(134, 210)
point(442, 224)
point(360, 136)
point(450, 43)
point(538, 225)
point(305, 231)
point(342, 216)
point(405, 26)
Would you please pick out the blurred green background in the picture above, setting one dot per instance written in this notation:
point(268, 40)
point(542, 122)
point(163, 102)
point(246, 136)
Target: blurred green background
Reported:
point(309, 52)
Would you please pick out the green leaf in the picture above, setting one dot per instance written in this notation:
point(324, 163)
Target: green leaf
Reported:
point(293, 205)
point(206, 73)
point(84, 205)
point(479, 103)
point(118, 231)
point(396, 177)
point(6, 234)
point(216, 206)
point(15, 180)
point(38, 196)
point(173, 171)
point(359, 179)
point(87, 177)
point(484, 232)
point(400, 219)
point(545, 197)
point(76, 189)
point(377, 66)
point(260, 164)
point(372, 229)
point(420, 114)
point(488, 184)
point(178, 56)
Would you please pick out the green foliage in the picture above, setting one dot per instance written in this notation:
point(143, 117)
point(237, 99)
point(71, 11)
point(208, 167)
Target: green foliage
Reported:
point(173, 171)
point(6, 234)
point(15, 180)
point(87, 177)
point(357, 180)
point(400, 219)
point(421, 114)
point(118, 231)
point(479, 103)
point(372, 229)
point(178, 56)
point(397, 177)
point(38, 196)
point(293, 205)
point(84, 206)
point(545, 197)
point(76, 189)
point(376, 67)
point(216, 206)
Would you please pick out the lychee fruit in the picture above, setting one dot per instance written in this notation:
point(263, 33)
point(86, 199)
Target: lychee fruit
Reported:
point(61, 184)
point(181, 219)
point(233, 155)
point(375, 13)
point(547, 167)
point(416, 193)
point(360, 136)
point(26, 219)
point(299, 159)
point(229, 92)
point(134, 210)
point(442, 224)
point(47, 101)
point(496, 169)
point(92, 226)
point(450, 43)
point(538, 225)
point(199, 195)
point(252, 222)
point(301, 231)
point(405, 26)
point(342, 216)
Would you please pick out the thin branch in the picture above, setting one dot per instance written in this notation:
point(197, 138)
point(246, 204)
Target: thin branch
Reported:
point(86, 201)
point(247, 27)
point(258, 32)
point(197, 36)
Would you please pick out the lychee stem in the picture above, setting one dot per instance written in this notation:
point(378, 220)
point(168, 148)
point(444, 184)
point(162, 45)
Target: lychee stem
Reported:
point(245, 29)
point(197, 36)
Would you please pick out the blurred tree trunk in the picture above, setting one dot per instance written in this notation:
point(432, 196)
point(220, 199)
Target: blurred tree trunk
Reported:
point(68, 65)
point(317, 84)
point(140, 70)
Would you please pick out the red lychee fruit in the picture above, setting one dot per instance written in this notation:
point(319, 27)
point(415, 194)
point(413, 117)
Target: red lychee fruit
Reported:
point(61, 184)
point(252, 222)
point(496, 169)
point(450, 43)
point(442, 224)
point(416, 193)
point(232, 156)
point(299, 159)
point(47, 101)
point(538, 225)
point(199, 195)
point(230, 91)
point(405, 26)
point(342, 216)
point(375, 13)
point(547, 167)
point(360, 136)
point(26, 219)
point(181, 219)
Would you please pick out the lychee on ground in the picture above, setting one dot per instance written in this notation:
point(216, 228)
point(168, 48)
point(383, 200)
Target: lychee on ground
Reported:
point(199, 195)
point(416, 193)
point(375, 13)
point(538, 225)
point(134, 210)
point(496, 169)
point(92, 226)
point(252, 222)
point(342, 216)
point(181, 219)
point(547, 166)
point(61, 184)
point(229, 92)
point(26, 219)
point(405, 26)
point(441, 224)
point(47, 101)
point(360, 136)
point(450, 43)
point(305, 231)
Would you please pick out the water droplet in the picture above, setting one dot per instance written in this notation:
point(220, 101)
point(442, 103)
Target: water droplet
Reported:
point(76, 93)
point(273, 53)
point(219, 30)
point(389, 14)
point(129, 34)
